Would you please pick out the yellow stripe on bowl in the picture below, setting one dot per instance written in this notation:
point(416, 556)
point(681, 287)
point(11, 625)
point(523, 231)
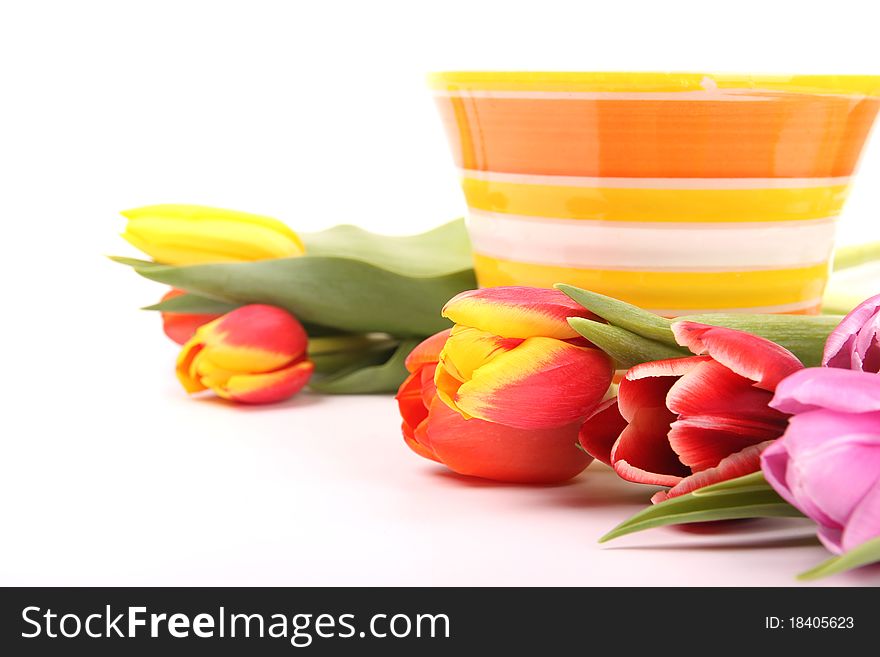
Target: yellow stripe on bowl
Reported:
point(856, 85)
point(619, 203)
point(664, 290)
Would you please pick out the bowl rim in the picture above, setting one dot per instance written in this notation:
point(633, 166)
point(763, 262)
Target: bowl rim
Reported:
point(648, 82)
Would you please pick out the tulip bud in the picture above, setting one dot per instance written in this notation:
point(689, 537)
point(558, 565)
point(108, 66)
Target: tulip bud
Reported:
point(255, 354)
point(180, 327)
point(193, 234)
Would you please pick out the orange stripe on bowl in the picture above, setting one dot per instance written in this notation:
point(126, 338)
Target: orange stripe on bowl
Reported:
point(780, 135)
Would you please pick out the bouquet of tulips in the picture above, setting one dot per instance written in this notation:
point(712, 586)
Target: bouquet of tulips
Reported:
point(729, 422)
point(732, 416)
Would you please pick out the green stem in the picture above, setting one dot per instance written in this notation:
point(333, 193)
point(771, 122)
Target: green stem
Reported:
point(846, 257)
point(804, 336)
point(650, 336)
point(625, 347)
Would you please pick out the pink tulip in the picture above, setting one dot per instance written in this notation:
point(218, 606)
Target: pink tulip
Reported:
point(827, 463)
point(855, 343)
point(691, 422)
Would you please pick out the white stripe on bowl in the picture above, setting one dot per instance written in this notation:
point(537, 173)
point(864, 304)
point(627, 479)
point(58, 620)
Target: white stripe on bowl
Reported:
point(654, 183)
point(685, 246)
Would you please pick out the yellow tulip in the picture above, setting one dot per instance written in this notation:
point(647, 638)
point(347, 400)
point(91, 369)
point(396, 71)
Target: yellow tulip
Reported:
point(195, 234)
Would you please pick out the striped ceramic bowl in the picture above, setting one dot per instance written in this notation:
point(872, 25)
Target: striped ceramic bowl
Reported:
point(676, 192)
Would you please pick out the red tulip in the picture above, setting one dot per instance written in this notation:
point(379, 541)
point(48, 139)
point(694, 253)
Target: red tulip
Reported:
point(180, 327)
point(690, 422)
point(477, 447)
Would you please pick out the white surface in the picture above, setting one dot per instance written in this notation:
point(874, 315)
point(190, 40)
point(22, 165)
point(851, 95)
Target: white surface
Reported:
point(317, 114)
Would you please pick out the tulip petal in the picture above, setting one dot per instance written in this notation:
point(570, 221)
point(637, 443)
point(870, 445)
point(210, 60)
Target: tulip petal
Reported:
point(258, 328)
point(184, 369)
point(601, 430)
point(755, 358)
point(412, 409)
point(516, 312)
point(642, 453)
point(541, 383)
point(208, 372)
point(199, 213)
point(828, 387)
point(774, 463)
point(648, 384)
point(703, 442)
point(814, 430)
point(866, 350)
point(864, 524)
point(720, 413)
point(429, 390)
point(817, 480)
point(181, 234)
point(712, 389)
point(468, 349)
point(416, 440)
point(427, 352)
point(447, 387)
point(180, 327)
point(840, 346)
point(831, 537)
point(738, 464)
point(502, 453)
point(811, 441)
point(268, 387)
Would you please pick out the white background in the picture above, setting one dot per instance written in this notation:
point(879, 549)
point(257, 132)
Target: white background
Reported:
point(315, 113)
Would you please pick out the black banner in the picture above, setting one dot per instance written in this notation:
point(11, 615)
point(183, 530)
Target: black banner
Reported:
point(278, 621)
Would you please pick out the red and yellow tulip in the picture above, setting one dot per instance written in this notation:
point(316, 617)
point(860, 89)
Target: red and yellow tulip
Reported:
point(513, 359)
point(476, 447)
point(255, 354)
point(180, 327)
point(193, 234)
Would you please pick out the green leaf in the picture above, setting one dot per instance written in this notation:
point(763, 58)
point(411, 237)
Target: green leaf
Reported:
point(745, 497)
point(376, 374)
point(862, 555)
point(195, 304)
point(804, 336)
point(350, 280)
point(622, 314)
point(440, 251)
point(192, 304)
point(134, 262)
point(625, 347)
point(341, 293)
